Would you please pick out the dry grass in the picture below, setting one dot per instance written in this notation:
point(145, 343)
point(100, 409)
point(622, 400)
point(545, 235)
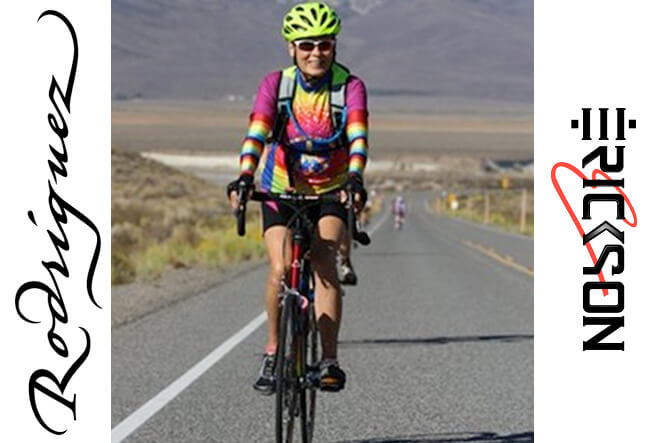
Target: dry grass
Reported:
point(504, 209)
point(163, 218)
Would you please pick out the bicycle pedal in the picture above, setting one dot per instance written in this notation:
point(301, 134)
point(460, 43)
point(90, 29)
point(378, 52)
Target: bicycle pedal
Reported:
point(331, 387)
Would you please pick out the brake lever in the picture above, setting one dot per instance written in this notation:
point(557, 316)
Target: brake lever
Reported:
point(361, 237)
point(242, 205)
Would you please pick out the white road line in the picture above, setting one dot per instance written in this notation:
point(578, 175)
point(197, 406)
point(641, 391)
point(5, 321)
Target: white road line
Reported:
point(152, 406)
point(377, 224)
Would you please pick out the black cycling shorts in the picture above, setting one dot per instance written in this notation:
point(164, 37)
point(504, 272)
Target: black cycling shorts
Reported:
point(281, 217)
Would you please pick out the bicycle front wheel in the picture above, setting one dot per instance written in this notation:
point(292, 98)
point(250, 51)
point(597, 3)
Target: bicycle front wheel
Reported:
point(308, 395)
point(286, 376)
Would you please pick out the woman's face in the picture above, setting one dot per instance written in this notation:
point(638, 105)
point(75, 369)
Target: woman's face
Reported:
point(314, 56)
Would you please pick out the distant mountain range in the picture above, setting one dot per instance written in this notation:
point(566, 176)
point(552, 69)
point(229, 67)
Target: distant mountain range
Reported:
point(463, 50)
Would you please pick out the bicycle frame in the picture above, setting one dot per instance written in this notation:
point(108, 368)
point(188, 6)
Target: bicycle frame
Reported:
point(297, 393)
point(297, 309)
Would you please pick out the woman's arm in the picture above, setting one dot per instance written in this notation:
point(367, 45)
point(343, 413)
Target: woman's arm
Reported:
point(260, 123)
point(357, 126)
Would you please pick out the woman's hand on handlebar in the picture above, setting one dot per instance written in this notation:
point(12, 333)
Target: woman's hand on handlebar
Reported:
point(358, 204)
point(245, 181)
point(355, 185)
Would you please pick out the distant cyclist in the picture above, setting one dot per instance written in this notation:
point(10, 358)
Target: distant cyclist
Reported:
point(399, 211)
point(316, 112)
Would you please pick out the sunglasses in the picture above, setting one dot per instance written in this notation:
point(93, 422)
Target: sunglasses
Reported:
point(309, 45)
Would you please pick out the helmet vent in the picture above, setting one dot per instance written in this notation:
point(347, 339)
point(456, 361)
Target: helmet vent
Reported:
point(307, 20)
point(324, 17)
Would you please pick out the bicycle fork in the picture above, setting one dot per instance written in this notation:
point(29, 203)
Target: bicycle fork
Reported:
point(307, 377)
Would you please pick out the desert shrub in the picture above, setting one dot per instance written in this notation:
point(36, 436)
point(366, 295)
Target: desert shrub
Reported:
point(132, 211)
point(504, 209)
point(163, 218)
point(122, 268)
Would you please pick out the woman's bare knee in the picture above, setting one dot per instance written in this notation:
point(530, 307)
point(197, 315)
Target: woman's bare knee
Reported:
point(274, 242)
point(276, 271)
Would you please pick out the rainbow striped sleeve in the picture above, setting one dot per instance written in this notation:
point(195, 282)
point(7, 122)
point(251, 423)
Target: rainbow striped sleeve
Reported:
point(357, 133)
point(250, 152)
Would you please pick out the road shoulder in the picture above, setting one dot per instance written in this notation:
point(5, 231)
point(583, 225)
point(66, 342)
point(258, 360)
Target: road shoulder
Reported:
point(135, 300)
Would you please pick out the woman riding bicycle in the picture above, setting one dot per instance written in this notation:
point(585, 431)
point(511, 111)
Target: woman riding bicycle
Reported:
point(317, 116)
point(399, 211)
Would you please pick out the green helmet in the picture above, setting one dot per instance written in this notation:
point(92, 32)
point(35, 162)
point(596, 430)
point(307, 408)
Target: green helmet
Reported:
point(310, 19)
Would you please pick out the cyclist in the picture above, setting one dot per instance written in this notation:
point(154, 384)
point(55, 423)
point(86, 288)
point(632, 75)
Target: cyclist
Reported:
point(316, 112)
point(398, 210)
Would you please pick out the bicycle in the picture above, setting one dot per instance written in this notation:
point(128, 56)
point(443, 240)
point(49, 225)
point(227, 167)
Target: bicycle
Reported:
point(297, 360)
point(398, 221)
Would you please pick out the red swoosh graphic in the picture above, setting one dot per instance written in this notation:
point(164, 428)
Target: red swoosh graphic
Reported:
point(576, 221)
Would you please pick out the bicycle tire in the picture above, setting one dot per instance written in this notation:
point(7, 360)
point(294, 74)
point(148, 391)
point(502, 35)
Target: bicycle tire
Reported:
point(308, 396)
point(286, 382)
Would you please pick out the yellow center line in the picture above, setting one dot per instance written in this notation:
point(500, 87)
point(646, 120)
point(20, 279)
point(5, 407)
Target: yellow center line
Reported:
point(505, 260)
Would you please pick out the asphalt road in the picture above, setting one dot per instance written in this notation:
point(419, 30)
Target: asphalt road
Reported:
point(436, 341)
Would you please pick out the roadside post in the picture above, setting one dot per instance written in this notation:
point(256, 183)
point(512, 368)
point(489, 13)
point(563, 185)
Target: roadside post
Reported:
point(486, 207)
point(524, 206)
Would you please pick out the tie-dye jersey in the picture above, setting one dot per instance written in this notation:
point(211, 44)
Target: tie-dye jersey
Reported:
point(311, 173)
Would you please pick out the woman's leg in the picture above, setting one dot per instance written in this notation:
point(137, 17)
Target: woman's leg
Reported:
point(278, 260)
point(328, 306)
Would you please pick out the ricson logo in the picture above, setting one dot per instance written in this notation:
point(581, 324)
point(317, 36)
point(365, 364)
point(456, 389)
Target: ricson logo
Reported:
point(49, 386)
point(603, 301)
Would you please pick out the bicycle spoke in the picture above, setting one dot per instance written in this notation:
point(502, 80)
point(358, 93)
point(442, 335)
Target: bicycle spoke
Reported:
point(308, 395)
point(286, 381)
